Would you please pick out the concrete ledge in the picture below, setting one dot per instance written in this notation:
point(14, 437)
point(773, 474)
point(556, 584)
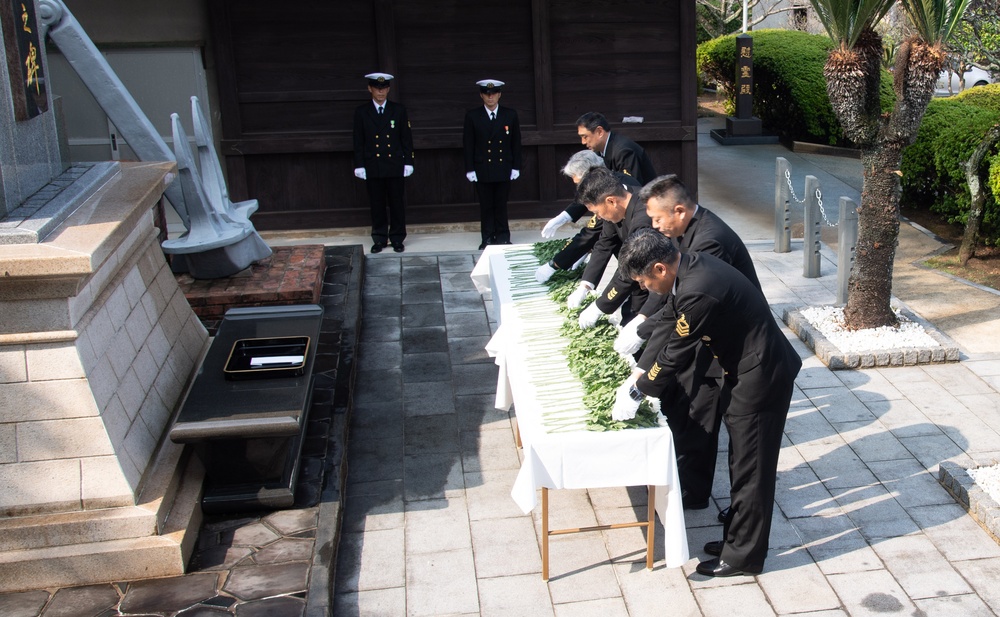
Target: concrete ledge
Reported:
point(835, 359)
point(808, 148)
point(724, 138)
point(983, 508)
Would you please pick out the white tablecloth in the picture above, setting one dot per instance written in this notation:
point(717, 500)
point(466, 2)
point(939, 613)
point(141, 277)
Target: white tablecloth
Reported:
point(580, 458)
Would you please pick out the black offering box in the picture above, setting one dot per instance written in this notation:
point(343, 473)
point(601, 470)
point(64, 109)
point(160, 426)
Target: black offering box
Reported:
point(247, 408)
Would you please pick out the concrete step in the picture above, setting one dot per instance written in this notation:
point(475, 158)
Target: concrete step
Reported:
point(154, 538)
point(90, 563)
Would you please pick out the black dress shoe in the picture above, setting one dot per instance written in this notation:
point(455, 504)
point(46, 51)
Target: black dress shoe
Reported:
point(723, 515)
point(714, 548)
point(482, 246)
point(690, 503)
point(399, 248)
point(377, 248)
point(717, 567)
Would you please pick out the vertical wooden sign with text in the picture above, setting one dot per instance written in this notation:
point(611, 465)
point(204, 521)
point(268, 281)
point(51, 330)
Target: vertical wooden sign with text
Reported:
point(24, 58)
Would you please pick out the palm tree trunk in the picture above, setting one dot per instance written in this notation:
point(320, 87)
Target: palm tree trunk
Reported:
point(870, 286)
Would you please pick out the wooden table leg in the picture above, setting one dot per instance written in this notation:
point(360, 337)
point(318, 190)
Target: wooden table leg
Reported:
point(651, 528)
point(545, 534)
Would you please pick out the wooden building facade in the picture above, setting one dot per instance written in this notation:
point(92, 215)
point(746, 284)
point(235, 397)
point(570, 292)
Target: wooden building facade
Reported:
point(289, 77)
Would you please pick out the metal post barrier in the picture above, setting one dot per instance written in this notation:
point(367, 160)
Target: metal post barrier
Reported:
point(847, 242)
point(813, 220)
point(782, 210)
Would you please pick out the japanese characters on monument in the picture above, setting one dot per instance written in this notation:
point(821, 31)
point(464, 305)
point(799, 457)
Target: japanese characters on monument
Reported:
point(744, 76)
point(24, 58)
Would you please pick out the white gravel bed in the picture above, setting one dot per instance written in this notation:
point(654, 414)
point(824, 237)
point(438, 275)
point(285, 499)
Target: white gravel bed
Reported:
point(829, 320)
point(988, 479)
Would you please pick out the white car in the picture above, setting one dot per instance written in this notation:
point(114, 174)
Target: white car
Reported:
point(975, 76)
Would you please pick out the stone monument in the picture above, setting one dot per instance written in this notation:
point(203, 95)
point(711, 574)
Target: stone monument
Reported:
point(744, 128)
point(97, 347)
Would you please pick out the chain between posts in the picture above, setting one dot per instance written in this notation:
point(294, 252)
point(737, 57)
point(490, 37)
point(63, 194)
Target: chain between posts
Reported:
point(819, 198)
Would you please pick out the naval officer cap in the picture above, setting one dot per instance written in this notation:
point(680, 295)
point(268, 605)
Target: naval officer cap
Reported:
point(489, 86)
point(379, 80)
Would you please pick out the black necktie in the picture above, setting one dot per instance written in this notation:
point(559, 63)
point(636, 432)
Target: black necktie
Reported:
point(493, 115)
point(380, 111)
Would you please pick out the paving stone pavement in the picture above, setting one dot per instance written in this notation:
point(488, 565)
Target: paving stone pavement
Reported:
point(861, 527)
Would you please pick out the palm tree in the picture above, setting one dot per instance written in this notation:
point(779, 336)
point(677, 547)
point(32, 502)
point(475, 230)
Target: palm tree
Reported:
point(853, 74)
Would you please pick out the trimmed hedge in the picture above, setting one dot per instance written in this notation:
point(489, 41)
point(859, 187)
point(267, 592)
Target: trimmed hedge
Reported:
point(933, 167)
point(790, 97)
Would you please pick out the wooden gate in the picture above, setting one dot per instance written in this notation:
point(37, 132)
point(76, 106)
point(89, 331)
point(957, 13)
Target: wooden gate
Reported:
point(291, 75)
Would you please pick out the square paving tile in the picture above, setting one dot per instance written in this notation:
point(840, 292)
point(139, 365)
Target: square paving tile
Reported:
point(425, 340)
point(428, 398)
point(421, 315)
point(420, 367)
point(421, 293)
point(467, 324)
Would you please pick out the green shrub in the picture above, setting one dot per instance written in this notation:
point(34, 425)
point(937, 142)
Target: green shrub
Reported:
point(790, 90)
point(934, 166)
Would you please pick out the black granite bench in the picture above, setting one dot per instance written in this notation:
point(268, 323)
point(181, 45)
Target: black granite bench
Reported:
point(247, 407)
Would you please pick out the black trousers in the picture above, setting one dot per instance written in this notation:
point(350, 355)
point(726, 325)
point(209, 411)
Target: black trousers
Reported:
point(694, 417)
point(388, 207)
point(493, 211)
point(754, 445)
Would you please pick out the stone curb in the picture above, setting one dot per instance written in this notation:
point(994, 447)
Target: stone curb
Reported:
point(323, 566)
point(977, 502)
point(835, 359)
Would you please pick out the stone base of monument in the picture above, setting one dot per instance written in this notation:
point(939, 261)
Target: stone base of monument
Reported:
point(291, 275)
point(97, 348)
point(742, 132)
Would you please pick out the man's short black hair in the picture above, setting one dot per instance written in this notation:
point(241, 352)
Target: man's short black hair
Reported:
point(669, 188)
point(591, 120)
point(644, 248)
point(597, 185)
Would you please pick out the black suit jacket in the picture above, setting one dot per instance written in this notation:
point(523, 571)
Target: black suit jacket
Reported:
point(492, 147)
point(707, 233)
point(623, 154)
point(718, 307)
point(383, 144)
point(613, 235)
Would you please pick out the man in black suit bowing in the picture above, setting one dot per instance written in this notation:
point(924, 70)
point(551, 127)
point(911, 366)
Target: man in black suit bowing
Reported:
point(619, 152)
point(492, 138)
point(383, 156)
point(717, 306)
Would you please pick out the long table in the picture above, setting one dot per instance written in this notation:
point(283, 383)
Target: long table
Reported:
point(569, 455)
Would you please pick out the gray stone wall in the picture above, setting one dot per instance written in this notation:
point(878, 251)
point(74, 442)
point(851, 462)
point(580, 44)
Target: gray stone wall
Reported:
point(81, 416)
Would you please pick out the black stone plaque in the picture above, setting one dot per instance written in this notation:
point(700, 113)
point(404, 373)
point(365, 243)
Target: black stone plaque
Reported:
point(24, 58)
point(744, 76)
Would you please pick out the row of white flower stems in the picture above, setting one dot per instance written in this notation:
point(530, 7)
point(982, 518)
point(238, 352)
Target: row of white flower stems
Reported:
point(558, 392)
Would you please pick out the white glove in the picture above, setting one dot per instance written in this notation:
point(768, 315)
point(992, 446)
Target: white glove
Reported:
point(575, 299)
point(514, 174)
point(361, 173)
point(589, 316)
point(544, 273)
point(625, 406)
point(407, 171)
point(471, 176)
point(550, 228)
point(628, 340)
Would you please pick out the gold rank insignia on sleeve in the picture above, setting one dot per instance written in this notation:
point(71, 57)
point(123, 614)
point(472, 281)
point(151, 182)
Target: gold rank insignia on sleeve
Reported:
point(612, 293)
point(592, 223)
point(625, 171)
point(682, 327)
point(654, 371)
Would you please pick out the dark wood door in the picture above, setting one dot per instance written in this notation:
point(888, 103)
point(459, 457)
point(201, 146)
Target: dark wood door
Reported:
point(289, 81)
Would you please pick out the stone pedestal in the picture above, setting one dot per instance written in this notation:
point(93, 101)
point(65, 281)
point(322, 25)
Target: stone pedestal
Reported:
point(97, 347)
